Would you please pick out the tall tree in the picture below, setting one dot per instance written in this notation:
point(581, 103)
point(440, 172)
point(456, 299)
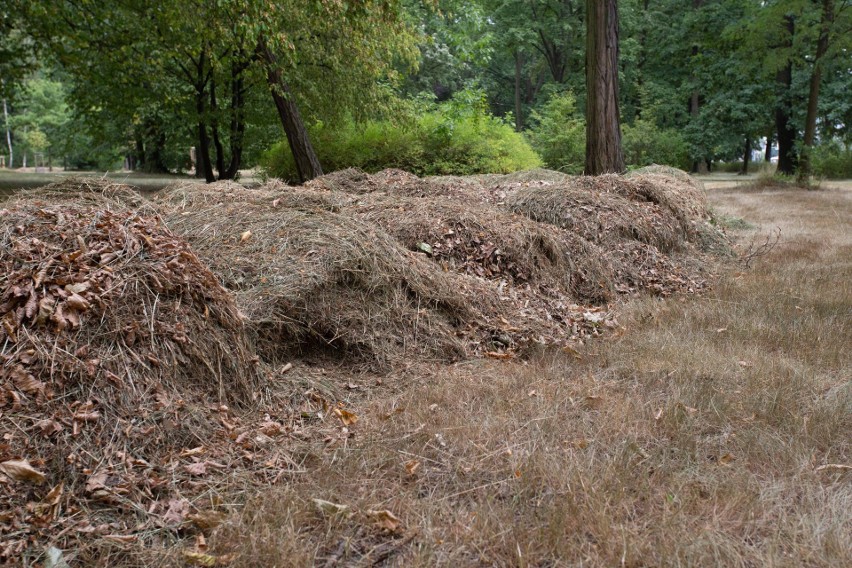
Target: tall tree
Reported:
point(603, 131)
point(825, 25)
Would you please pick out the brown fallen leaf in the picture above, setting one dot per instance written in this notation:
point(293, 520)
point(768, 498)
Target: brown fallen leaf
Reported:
point(207, 520)
point(177, 512)
point(411, 466)
point(96, 482)
point(348, 418)
point(192, 452)
point(77, 302)
point(21, 470)
point(271, 428)
point(199, 468)
point(48, 508)
point(25, 382)
point(48, 427)
point(384, 519)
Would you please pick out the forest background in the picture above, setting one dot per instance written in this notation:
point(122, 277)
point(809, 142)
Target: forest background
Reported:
point(432, 87)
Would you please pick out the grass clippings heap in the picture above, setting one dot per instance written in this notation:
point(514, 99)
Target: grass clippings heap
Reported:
point(134, 330)
point(490, 243)
point(314, 281)
point(114, 338)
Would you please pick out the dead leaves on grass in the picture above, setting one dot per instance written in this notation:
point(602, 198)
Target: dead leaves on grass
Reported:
point(21, 470)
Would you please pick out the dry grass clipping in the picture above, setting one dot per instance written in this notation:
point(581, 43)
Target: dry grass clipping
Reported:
point(319, 281)
point(484, 241)
point(110, 325)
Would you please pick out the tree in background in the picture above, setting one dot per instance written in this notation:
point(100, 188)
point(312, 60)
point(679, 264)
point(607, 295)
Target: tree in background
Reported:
point(198, 63)
point(603, 131)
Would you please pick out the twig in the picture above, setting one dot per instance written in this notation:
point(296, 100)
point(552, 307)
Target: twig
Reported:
point(754, 252)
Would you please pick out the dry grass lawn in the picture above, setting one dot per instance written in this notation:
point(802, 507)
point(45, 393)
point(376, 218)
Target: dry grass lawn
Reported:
point(708, 431)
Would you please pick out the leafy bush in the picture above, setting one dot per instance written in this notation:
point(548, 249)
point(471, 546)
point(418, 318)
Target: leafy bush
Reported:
point(645, 144)
point(458, 137)
point(559, 134)
point(832, 161)
point(560, 138)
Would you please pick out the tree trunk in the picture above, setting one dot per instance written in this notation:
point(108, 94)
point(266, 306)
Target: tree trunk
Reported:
point(787, 159)
point(519, 122)
point(699, 165)
point(214, 131)
point(767, 157)
point(307, 163)
point(603, 132)
point(8, 135)
point(813, 94)
point(746, 156)
point(238, 125)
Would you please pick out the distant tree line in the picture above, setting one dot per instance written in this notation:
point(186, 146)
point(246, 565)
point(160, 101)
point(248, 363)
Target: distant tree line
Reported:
point(692, 83)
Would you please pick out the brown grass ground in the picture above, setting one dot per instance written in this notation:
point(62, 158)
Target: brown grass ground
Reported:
point(709, 431)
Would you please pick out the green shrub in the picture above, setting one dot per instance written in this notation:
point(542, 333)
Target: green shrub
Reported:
point(645, 144)
point(559, 134)
point(832, 161)
point(456, 138)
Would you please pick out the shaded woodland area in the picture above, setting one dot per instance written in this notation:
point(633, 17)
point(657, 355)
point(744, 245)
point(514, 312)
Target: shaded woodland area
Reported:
point(433, 88)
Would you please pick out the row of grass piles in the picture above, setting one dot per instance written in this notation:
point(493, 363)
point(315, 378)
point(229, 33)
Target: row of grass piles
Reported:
point(134, 331)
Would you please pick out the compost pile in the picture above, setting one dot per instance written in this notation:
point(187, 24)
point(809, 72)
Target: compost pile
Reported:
point(142, 339)
point(112, 331)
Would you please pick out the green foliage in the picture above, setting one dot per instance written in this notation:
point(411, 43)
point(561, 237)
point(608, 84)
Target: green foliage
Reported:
point(459, 137)
point(559, 135)
point(832, 161)
point(646, 144)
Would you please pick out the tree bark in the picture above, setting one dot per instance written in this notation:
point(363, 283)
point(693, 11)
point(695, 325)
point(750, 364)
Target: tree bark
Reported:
point(767, 157)
point(603, 132)
point(8, 135)
point(699, 165)
point(238, 125)
point(787, 159)
point(214, 131)
point(826, 20)
point(519, 121)
point(304, 156)
point(746, 156)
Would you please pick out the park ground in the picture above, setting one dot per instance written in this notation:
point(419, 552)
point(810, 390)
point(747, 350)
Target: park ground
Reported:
point(710, 431)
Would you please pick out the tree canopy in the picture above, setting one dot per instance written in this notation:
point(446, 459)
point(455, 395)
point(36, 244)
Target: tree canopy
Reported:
point(137, 84)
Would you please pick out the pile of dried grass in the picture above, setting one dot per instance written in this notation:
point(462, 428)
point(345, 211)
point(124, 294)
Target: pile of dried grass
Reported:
point(111, 326)
point(90, 191)
point(598, 215)
point(484, 241)
point(315, 280)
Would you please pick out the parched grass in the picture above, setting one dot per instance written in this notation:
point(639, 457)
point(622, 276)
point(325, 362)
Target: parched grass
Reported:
point(708, 431)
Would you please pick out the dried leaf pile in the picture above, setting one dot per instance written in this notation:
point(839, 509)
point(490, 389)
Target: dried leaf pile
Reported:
point(110, 325)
